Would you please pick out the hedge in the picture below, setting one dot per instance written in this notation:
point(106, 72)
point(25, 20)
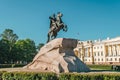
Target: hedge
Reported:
point(1, 74)
point(61, 76)
point(28, 76)
point(11, 65)
point(90, 76)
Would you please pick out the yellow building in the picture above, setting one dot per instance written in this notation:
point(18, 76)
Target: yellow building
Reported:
point(99, 51)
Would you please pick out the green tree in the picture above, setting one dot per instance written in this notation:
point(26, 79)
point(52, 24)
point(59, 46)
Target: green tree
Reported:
point(8, 37)
point(27, 49)
point(4, 49)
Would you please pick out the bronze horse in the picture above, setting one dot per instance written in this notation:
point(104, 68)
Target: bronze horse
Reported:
point(56, 25)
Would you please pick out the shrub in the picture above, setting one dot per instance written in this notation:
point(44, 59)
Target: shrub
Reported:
point(11, 65)
point(19, 65)
point(61, 76)
point(28, 76)
point(1, 73)
point(90, 76)
point(5, 65)
point(116, 67)
point(65, 76)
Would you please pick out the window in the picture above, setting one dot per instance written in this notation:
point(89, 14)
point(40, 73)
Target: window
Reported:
point(95, 53)
point(101, 47)
point(101, 53)
point(98, 59)
point(85, 59)
point(111, 59)
point(97, 47)
point(115, 59)
point(98, 54)
point(101, 59)
point(94, 47)
point(107, 59)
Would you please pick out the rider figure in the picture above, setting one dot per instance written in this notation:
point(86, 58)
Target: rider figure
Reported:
point(58, 19)
point(53, 24)
point(56, 24)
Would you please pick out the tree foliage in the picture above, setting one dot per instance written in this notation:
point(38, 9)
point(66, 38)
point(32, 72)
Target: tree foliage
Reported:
point(8, 39)
point(4, 51)
point(13, 50)
point(27, 49)
point(9, 36)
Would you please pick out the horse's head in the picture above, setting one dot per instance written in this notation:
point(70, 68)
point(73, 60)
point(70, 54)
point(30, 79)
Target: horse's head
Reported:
point(59, 14)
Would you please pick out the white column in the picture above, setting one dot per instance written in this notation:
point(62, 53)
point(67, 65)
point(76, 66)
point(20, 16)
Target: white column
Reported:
point(88, 51)
point(109, 50)
point(119, 50)
point(115, 52)
point(112, 50)
point(106, 51)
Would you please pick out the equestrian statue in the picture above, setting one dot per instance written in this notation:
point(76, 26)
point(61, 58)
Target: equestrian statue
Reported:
point(56, 24)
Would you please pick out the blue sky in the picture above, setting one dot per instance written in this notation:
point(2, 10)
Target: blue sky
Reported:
point(86, 19)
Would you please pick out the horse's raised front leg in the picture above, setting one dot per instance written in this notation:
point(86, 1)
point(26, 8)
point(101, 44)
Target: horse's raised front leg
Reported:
point(65, 28)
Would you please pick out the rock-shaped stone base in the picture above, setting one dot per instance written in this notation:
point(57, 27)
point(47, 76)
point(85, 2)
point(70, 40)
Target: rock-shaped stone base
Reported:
point(58, 56)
